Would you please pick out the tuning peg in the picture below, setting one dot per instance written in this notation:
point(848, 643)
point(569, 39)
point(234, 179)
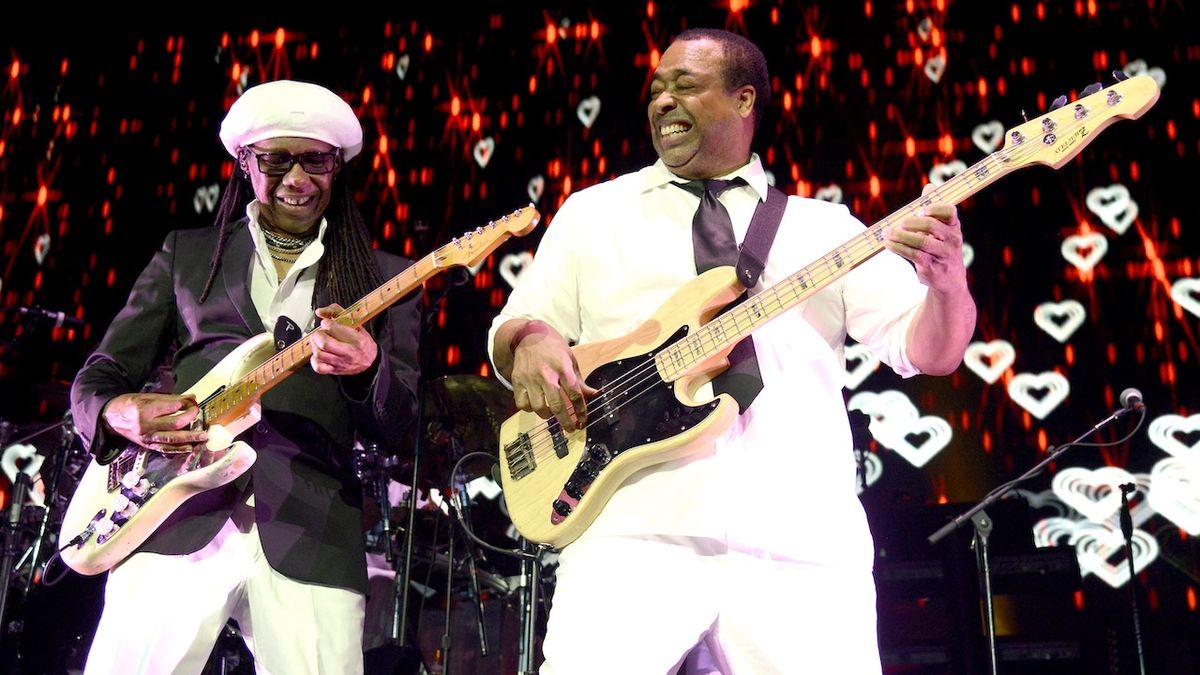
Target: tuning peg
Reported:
point(1091, 89)
point(1058, 102)
point(1120, 75)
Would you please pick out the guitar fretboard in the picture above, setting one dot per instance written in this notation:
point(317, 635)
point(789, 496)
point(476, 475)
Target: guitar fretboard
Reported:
point(727, 329)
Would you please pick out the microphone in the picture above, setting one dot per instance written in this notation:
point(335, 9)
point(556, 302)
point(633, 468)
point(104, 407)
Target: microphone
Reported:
point(58, 318)
point(1131, 399)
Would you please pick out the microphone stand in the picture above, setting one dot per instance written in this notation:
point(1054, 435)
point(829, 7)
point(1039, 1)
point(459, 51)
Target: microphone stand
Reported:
point(1127, 530)
point(64, 453)
point(983, 527)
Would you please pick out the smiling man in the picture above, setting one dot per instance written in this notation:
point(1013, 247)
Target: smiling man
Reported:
point(279, 549)
point(754, 544)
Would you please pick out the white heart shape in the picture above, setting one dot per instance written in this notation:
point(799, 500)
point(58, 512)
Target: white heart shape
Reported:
point(989, 360)
point(205, 199)
point(924, 28)
point(865, 362)
point(1022, 387)
point(512, 265)
point(1100, 551)
point(890, 411)
point(1139, 67)
point(1164, 432)
point(484, 148)
point(770, 177)
point(1053, 531)
point(28, 453)
point(940, 173)
point(1113, 206)
point(587, 110)
point(918, 451)
point(1084, 250)
point(535, 187)
point(1059, 319)
point(830, 193)
point(935, 67)
point(987, 136)
point(41, 247)
point(968, 252)
point(1175, 492)
point(1094, 494)
point(402, 66)
point(1046, 499)
point(1186, 293)
point(872, 470)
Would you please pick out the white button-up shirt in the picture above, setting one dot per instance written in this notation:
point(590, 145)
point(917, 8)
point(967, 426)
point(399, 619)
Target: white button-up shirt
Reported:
point(781, 479)
point(292, 295)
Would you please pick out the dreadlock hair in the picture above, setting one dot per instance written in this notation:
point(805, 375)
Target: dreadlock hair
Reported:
point(347, 270)
point(744, 64)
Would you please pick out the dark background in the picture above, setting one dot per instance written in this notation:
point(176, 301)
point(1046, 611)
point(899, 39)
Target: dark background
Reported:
point(108, 141)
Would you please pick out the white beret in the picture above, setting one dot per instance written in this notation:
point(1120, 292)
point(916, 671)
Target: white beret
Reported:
point(286, 108)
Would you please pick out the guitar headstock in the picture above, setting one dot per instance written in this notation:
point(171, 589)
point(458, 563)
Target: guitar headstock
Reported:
point(475, 245)
point(1055, 137)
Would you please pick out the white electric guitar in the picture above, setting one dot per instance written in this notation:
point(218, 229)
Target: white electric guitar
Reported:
point(117, 506)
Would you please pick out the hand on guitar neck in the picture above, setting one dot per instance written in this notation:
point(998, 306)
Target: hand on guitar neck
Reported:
point(340, 349)
point(543, 371)
point(159, 422)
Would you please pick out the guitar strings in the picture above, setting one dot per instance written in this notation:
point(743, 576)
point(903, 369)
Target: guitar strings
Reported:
point(860, 248)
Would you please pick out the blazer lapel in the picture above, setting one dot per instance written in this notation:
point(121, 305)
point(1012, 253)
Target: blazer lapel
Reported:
point(235, 270)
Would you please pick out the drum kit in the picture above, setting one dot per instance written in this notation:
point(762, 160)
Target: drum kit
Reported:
point(452, 585)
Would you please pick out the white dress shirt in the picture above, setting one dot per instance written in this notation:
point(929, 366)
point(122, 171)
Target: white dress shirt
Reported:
point(781, 480)
point(291, 296)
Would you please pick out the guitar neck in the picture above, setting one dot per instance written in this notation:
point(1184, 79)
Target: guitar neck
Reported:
point(722, 332)
point(232, 401)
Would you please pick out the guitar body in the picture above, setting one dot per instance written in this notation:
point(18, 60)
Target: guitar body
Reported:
point(170, 479)
point(543, 468)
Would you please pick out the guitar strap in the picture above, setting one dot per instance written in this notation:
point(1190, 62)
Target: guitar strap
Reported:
point(760, 235)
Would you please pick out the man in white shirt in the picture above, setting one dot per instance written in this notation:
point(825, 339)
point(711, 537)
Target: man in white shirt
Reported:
point(754, 543)
point(279, 549)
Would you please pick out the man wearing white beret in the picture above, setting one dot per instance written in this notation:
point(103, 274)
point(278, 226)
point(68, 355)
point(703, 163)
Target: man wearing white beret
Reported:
point(279, 549)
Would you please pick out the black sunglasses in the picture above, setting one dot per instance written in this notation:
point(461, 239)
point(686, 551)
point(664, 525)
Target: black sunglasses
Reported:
point(279, 163)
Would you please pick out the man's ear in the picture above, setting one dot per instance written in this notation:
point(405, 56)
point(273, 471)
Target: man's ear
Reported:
point(746, 97)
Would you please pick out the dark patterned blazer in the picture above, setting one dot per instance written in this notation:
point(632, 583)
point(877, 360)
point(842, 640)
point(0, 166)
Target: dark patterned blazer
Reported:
point(307, 499)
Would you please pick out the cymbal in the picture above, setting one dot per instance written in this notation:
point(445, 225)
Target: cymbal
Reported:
point(463, 413)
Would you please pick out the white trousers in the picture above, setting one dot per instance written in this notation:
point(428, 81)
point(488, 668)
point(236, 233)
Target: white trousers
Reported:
point(636, 605)
point(163, 613)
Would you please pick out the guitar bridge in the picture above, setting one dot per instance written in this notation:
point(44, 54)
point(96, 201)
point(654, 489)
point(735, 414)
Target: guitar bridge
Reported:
point(519, 453)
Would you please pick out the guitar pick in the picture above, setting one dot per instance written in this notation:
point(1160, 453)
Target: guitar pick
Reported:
point(587, 110)
point(1022, 387)
point(968, 253)
point(1059, 319)
point(989, 360)
point(1186, 293)
point(512, 265)
point(1101, 551)
point(1178, 436)
point(402, 66)
point(483, 151)
point(1139, 67)
point(935, 67)
point(865, 362)
point(535, 187)
point(1084, 250)
point(1096, 495)
point(1175, 492)
point(41, 247)
point(940, 173)
point(1113, 206)
point(987, 136)
point(829, 193)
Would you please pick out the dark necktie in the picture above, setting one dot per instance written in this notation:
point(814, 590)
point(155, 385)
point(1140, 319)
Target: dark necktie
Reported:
point(715, 246)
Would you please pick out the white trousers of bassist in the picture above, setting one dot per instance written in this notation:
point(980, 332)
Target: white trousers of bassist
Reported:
point(163, 613)
point(637, 605)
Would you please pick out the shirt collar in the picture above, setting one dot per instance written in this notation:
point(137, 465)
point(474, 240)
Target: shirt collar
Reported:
point(658, 175)
point(311, 254)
